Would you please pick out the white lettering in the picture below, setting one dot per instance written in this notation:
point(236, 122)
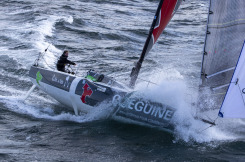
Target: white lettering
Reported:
point(139, 106)
point(153, 111)
point(59, 81)
point(116, 99)
point(160, 112)
point(131, 104)
point(145, 109)
point(54, 79)
point(168, 115)
point(123, 104)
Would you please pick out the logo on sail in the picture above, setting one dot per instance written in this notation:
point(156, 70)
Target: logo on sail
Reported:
point(39, 77)
point(87, 91)
point(243, 90)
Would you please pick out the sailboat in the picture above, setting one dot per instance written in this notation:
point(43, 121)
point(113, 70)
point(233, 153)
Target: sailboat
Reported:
point(223, 62)
point(85, 93)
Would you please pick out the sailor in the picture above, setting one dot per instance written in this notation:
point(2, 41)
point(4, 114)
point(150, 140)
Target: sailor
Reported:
point(63, 61)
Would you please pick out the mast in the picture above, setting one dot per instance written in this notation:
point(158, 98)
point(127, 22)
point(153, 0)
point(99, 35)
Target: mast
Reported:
point(135, 70)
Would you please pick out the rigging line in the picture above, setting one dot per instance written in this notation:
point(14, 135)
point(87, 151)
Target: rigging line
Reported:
point(241, 94)
point(242, 65)
point(41, 56)
point(205, 129)
point(216, 119)
point(54, 56)
point(211, 125)
point(47, 48)
point(149, 81)
point(46, 62)
point(112, 58)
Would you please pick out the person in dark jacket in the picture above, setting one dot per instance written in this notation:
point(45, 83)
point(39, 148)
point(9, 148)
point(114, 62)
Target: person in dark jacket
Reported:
point(63, 61)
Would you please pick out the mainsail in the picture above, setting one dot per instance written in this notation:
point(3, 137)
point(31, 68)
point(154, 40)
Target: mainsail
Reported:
point(224, 38)
point(165, 11)
point(234, 102)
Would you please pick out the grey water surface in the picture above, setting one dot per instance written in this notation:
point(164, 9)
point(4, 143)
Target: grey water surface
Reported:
point(107, 36)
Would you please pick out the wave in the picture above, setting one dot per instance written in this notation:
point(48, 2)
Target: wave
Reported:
point(174, 91)
point(16, 104)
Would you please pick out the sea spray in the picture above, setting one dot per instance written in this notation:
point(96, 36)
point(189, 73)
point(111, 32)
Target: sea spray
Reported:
point(176, 93)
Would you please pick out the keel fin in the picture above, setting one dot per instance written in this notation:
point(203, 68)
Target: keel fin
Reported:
point(74, 106)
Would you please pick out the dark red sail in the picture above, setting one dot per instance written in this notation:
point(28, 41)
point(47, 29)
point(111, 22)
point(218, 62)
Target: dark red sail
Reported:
point(169, 7)
point(165, 11)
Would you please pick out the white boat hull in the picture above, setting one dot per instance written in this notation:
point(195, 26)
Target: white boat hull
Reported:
point(83, 95)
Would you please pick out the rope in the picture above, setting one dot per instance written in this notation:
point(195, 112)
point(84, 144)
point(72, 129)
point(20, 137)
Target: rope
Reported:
point(46, 62)
point(148, 81)
point(211, 125)
point(41, 56)
point(205, 129)
point(241, 94)
point(216, 119)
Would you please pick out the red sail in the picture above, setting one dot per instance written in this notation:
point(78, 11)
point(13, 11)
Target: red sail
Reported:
point(169, 7)
point(165, 11)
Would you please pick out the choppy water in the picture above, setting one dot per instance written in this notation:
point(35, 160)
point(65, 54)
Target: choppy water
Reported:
point(107, 36)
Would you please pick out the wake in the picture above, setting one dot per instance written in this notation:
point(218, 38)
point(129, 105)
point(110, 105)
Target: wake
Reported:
point(16, 104)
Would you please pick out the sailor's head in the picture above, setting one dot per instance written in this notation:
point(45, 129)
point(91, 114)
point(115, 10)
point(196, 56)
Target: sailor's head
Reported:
point(65, 53)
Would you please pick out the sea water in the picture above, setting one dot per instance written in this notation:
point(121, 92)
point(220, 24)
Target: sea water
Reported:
point(106, 36)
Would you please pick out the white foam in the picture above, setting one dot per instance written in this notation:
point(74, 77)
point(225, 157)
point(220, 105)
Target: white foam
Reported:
point(176, 94)
point(45, 28)
point(36, 34)
point(3, 49)
point(40, 112)
point(36, 106)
